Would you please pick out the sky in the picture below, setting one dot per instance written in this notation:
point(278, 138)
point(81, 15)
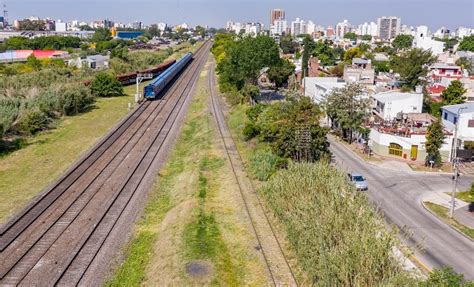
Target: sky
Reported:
point(215, 13)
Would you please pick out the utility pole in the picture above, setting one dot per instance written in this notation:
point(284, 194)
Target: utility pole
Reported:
point(140, 78)
point(455, 163)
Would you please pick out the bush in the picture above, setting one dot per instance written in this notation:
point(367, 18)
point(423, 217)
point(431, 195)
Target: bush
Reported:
point(9, 111)
point(106, 85)
point(254, 111)
point(32, 121)
point(444, 277)
point(337, 236)
point(75, 99)
point(250, 131)
point(264, 163)
point(49, 103)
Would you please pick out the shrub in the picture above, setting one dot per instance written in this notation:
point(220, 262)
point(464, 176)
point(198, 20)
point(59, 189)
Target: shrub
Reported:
point(49, 103)
point(337, 236)
point(9, 111)
point(75, 99)
point(444, 277)
point(106, 85)
point(32, 121)
point(254, 111)
point(250, 131)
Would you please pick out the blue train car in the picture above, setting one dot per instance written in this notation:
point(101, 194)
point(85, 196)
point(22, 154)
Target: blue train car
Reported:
point(153, 90)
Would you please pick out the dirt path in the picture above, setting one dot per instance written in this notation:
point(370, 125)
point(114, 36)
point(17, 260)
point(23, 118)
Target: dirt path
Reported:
point(278, 270)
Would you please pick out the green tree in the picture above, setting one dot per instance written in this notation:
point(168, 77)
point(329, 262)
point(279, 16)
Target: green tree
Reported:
point(154, 31)
point(412, 66)
point(245, 58)
point(403, 42)
point(106, 85)
point(366, 37)
point(467, 44)
point(351, 54)
point(347, 108)
point(101, 35)
point(287, 45)
point(453, 94)
point(33, 62)
point(325, 53)
point(350, 35)
point(381, 66)
point(308, 47)
point(280, 73)
point(434, 140)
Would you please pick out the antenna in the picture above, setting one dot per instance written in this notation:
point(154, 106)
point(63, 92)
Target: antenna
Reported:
point(5, 15)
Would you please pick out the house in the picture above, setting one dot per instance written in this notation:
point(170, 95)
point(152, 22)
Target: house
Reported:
point(389, 105)
point(360, 71)
point(93, 62)
point(439, 71)
point(462, 116)
point(318, 88)
point(405, 138)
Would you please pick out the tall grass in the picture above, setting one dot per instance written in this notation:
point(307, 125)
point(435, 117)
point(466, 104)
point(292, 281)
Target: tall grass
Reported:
point(338, 237)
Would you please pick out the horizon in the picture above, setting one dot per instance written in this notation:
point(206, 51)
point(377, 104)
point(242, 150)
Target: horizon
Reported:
point(325, 13)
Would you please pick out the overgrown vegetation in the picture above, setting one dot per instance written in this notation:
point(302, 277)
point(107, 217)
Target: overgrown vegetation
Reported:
point(315, 203)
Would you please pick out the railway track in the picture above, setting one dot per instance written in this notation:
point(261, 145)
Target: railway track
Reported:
point(277, 264)
point(57, 237)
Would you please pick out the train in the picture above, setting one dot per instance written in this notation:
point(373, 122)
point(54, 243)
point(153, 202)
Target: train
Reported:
point(130, 78)
point(153, 90)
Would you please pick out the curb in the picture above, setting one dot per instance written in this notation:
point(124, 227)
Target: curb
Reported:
point(440, 219)
point(422, 266)
point(390, 169)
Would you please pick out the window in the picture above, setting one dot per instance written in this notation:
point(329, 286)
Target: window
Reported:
point(470, 124)
point(455, 120)
point(445, 116)
point(395, 149)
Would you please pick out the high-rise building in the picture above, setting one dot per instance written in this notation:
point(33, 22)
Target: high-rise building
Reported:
point(342, 28)
point(298, 27)
point(279, 27)
point(276, 14)
point(368, 29)
point(330, 32)
point(388, 27)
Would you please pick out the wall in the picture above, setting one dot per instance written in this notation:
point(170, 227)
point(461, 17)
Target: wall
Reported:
point(381, 142)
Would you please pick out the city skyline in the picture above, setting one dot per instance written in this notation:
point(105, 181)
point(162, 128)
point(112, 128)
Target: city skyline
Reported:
point(325, 12)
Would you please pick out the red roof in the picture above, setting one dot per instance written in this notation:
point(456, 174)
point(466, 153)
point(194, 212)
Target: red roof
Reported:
point(436, 89)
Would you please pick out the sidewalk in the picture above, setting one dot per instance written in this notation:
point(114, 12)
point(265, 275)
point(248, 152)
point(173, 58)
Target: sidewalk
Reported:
point(461, 213)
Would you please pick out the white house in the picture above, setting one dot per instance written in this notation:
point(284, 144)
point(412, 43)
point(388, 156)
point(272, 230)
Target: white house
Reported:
point(92, 62)
point(406, 138)
point(427, 43)
point(463, 116)
point(317, 88)
point(388, 105)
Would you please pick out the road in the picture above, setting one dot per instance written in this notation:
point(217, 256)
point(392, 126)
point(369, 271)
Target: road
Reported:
point(398, 194)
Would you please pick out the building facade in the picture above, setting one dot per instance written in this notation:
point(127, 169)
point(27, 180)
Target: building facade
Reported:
point(388, 27)
point(276, 14)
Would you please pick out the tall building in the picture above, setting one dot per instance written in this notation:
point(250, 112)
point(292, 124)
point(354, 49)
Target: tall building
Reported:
point(330, 32)
point(388, 27)
point(279, 27)
point(368, 29)
point(342, 28)
point(298, 27)
point(276, 14)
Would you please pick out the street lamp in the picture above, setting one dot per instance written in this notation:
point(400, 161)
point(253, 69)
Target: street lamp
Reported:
point(455, 162)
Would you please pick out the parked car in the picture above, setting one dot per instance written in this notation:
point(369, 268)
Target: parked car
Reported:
point(358, 180)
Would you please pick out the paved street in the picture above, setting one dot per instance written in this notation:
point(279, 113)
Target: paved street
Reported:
point(398, 194)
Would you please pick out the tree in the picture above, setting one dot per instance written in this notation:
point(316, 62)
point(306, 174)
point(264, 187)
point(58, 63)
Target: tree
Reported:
point(366, 37)
point(33, 62)
point(280, 73)
point(106, 85)
point(154, 31)
point(308, 47)
point(453, 94)
point(351, 54)
point(412, 66)
point(381, 66)
point(287, 45)
point(465, 64)
point(350, 35)
point(347, 108)
point(403, 42)
point(467, 44)
point(101, 35)
point(337, 70)
point(243, 60)
point(434, 140)
point(325, 53)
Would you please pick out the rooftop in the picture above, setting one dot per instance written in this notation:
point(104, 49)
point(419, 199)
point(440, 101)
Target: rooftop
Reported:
point(394, 96)
point(445, 66)
point(468, 108)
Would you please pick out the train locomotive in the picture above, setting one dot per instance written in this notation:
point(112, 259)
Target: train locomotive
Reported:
point(153, 90)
